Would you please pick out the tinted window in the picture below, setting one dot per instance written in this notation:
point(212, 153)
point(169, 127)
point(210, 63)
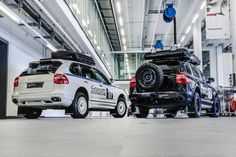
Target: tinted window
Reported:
point(43, 67)
point(87, 72)
point(75, 69)
point(100, 77)
point(188, 69)
point(195, 72)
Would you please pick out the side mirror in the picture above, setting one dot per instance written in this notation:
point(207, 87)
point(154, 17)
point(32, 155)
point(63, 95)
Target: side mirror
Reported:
point(210, 80)
point(111, 80)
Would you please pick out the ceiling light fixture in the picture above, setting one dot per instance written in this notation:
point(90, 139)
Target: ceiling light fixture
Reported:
point(182, 39)
point(125, 47)
point(203, 5)
point(195, 18)
point(123, 40)
point(118, 7)
point(9, 13)
point(51, 47)
point(121, 21)
point(126, 55)
point(188, 29)
point(122, 32)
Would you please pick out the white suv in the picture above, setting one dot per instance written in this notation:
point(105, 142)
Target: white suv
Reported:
point(67, 81)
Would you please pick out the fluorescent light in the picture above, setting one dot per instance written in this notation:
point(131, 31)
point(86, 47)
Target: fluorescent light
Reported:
point(51, 47)
point(122, 32)
point(98, 47)
point(90, 33)
point(9, 13)
point(203, 5)
point(127, 60)
point(118, 7)
point(188, 30)
point(125, 48)
point(75, 8)
point(195, 18)
point(121, 21)
point(84, 23)
point(126, 55)
point(182, 39)
point(95, 42)
point(123, 40)
point(88, 21)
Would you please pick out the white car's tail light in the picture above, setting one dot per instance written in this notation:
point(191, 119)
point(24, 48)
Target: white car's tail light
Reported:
point(60, 79)
point(16, 82)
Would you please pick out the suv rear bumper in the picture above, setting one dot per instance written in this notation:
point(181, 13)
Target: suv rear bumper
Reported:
point(41, 100)
point(164, 100)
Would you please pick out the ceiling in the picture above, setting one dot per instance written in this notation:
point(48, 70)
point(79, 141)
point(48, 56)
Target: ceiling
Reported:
point(143, 24)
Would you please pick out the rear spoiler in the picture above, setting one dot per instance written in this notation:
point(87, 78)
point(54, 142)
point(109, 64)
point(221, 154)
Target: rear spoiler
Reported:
point(179, 55)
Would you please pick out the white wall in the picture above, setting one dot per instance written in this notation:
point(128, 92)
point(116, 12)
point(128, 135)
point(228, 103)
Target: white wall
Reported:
point(22, 50)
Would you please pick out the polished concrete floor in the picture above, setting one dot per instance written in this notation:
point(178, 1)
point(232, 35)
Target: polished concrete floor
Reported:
point(128, 137)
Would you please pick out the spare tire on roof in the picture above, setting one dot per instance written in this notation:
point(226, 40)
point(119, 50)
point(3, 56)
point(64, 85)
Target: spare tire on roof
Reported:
point(149, 77)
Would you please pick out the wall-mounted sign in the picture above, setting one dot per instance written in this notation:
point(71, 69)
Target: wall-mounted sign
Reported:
point(217, 19)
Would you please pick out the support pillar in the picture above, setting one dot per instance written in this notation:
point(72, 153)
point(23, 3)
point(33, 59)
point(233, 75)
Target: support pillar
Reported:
point(213, 65)
point(233, 31)
point(197, 40)
point(220, 65)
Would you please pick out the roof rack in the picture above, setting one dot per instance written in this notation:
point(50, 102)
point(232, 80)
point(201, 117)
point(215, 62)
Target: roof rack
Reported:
point(178, 55)
point(79, 57)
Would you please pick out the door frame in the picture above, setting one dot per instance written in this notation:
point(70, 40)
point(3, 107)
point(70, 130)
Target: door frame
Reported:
point(4, 108)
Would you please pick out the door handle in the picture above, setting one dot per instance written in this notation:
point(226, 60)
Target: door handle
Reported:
point(85, 81)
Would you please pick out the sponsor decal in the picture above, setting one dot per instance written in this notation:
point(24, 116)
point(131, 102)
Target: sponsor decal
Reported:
point(97, 90)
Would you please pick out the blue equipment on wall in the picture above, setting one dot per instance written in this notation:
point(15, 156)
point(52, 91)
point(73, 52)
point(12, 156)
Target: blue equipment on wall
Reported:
point(159, 44)
point(169, 13)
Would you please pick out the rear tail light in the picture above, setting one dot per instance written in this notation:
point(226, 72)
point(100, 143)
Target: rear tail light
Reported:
point(60, 79)
point(16, 82)
point(132, 82)
point(182, 79)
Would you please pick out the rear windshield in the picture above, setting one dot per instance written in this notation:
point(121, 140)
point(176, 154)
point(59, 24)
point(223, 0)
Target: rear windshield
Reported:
point(43, 67)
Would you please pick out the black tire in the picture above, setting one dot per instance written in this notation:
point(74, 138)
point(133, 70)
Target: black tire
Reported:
point(143, 112)
point(196, 107)
point(215, 111)
point(32, 113)
point(120, 110)
point(149, 77)
point(80, 106)
point(170, 113)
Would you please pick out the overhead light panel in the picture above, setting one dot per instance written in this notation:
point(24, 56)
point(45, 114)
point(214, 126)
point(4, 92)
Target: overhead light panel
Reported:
point(9, 13)
point(195, 18)
point(126, 55)
point(203, 5)
point(183, 38)
point(122, 32)
point(121, 21)
point(188, 30)
point(118, 7)
point(51, 47)
point(123, 40)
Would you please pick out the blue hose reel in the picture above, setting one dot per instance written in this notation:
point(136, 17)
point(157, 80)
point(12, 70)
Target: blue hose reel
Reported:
point(159, 45)
point(169, 13)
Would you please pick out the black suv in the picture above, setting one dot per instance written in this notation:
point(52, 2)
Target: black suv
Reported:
point(172, 81)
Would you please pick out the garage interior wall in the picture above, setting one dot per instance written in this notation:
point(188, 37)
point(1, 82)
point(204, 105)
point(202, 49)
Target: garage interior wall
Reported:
point(22, 50)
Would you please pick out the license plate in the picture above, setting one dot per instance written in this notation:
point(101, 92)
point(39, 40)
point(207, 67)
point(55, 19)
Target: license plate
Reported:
point(35, 85)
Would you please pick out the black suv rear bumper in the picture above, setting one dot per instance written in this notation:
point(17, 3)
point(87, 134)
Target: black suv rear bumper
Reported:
point(166, 100)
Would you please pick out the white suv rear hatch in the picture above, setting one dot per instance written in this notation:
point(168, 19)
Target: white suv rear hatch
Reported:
point(39, 77)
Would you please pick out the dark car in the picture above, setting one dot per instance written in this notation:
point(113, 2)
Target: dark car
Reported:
point(170, 80)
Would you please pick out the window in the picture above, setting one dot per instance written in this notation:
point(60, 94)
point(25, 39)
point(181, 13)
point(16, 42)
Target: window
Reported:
point(201, 75)
point(75, 69)
point(87, 72)
point(195, 71)
point(100, 77)
point(188, 69)
point(42, 67)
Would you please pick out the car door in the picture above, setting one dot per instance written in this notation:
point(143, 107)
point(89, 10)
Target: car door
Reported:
point(97, 91)
point(208, 93)
point(109, 98)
